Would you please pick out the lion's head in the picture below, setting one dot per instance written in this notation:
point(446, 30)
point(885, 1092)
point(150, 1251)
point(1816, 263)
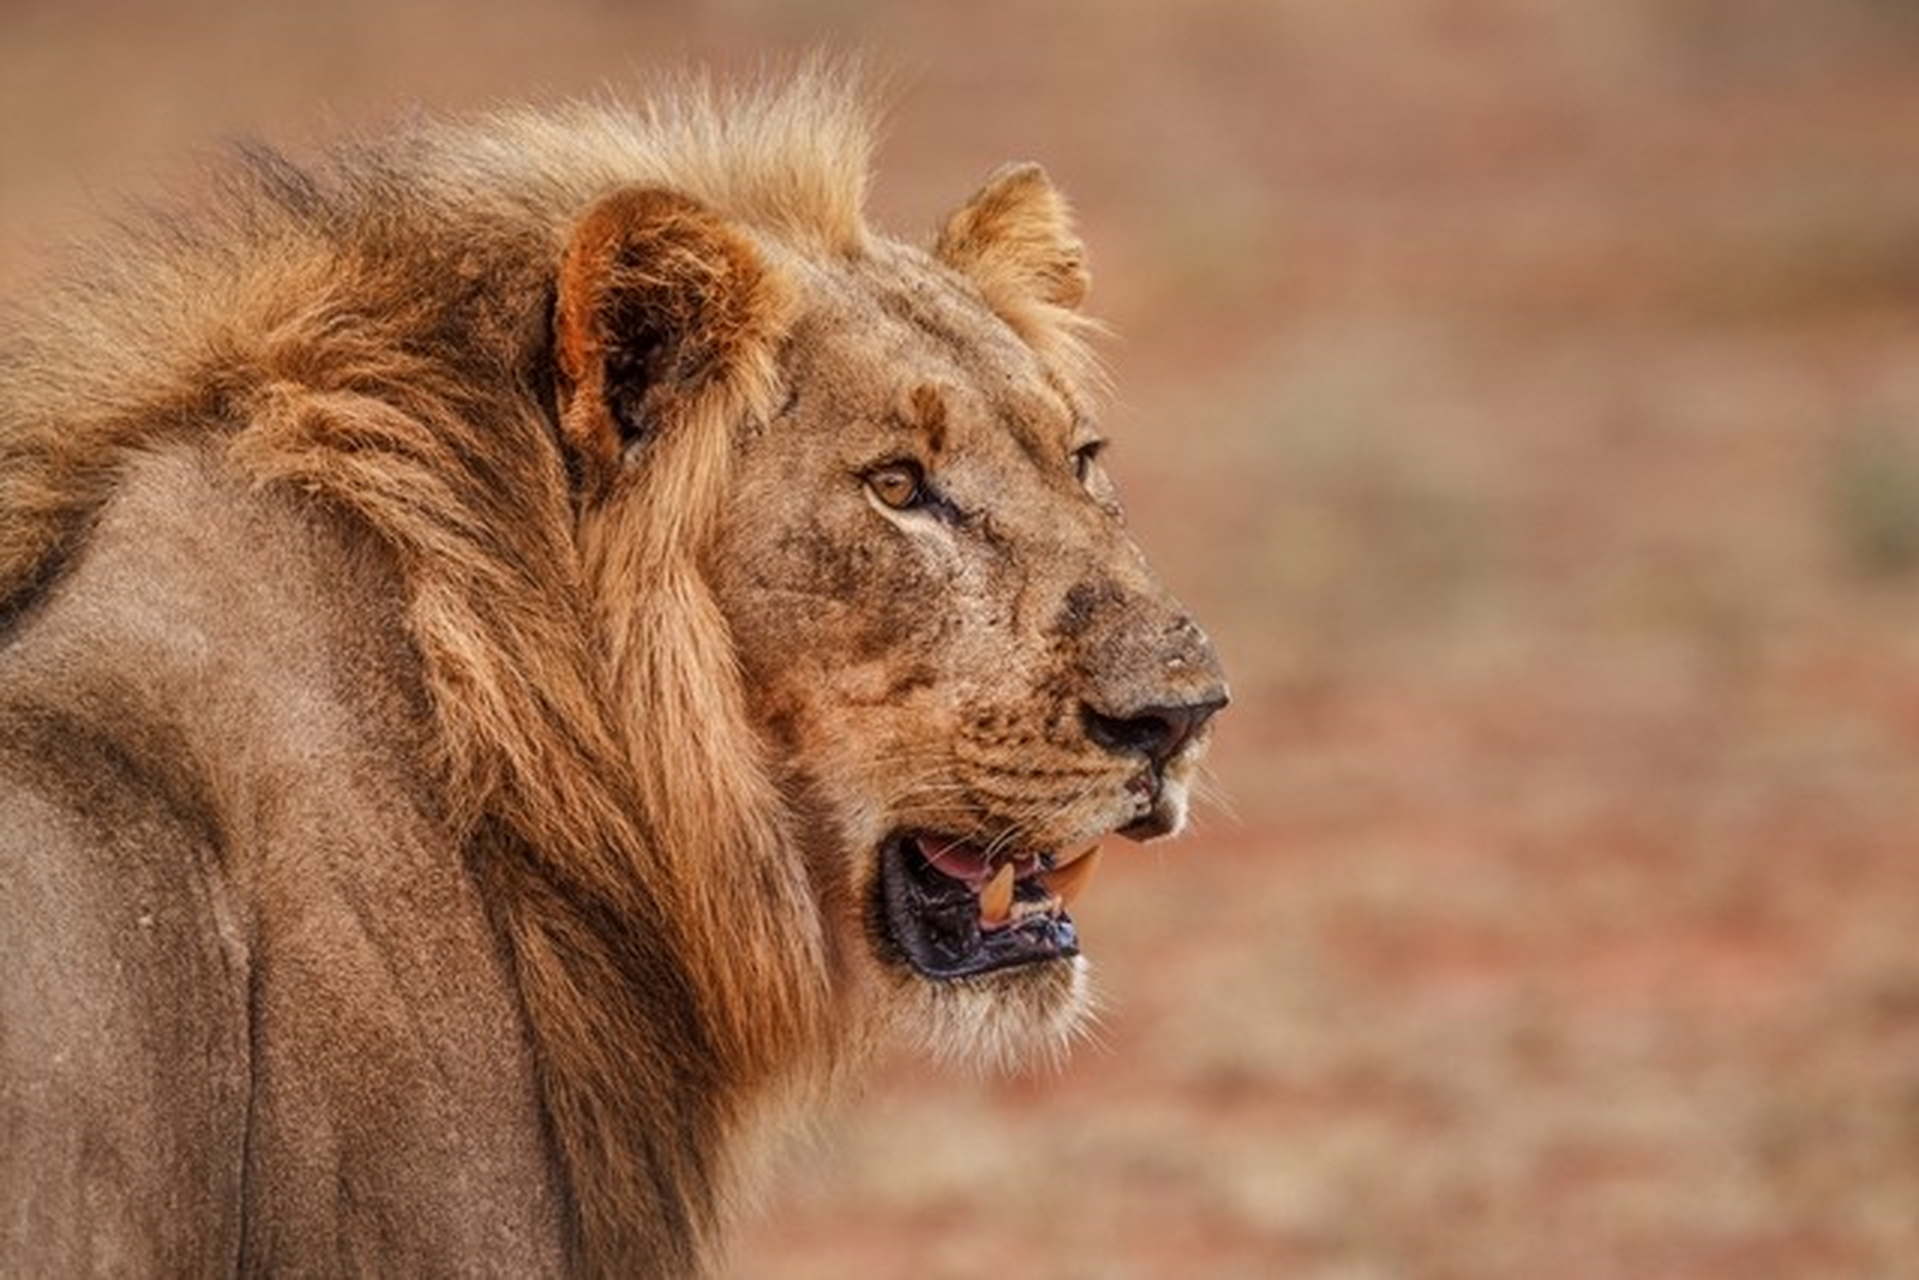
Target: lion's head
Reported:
point(964, 670)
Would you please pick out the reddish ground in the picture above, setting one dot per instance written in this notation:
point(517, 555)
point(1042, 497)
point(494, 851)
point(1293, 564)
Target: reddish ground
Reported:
point(1526, 392)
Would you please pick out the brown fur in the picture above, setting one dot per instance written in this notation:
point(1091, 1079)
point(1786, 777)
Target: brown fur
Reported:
point(481, 418)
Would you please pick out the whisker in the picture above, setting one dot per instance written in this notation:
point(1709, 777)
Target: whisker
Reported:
point(1207, 787)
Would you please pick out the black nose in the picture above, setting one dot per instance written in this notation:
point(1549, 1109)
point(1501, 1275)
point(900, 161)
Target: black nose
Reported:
point(1154, 732)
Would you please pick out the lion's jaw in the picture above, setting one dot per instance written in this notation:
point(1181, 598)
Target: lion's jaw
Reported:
point(959, 657)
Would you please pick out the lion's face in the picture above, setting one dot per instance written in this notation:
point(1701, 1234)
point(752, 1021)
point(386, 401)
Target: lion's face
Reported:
point(962, 668)
point(969, 672)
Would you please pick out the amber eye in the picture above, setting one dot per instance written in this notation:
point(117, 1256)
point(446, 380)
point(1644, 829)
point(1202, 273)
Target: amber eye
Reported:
point(900, 485)
point(1084, 457)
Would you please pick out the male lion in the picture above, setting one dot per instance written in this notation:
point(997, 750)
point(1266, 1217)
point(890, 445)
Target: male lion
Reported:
point(524, 649)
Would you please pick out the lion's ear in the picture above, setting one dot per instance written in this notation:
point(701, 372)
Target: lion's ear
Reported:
point(660, 302)
point(1015, 240)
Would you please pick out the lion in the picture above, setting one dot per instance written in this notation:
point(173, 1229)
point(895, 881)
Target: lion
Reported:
point(529, 647)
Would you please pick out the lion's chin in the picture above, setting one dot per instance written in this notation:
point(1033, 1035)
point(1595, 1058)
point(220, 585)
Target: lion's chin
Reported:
point(1001, 1020)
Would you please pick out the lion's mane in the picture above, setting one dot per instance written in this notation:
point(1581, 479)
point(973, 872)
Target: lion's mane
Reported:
point(361, 330)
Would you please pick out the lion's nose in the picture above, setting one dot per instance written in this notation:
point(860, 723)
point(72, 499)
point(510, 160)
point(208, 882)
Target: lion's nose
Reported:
point(1156, 732)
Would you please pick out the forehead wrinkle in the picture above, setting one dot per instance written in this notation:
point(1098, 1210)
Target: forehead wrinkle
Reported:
point(1025, 432)
point(1078, 416)
point(1042, 425)
point(923, 409)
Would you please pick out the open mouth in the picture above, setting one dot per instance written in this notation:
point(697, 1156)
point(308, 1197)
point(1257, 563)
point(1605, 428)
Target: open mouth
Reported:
point(954, 909)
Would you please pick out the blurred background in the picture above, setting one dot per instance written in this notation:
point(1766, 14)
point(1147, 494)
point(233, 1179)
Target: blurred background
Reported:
point(1526, 395)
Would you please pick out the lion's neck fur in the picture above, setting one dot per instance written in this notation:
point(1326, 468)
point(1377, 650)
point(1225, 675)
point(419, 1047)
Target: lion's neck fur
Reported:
point(371, 339)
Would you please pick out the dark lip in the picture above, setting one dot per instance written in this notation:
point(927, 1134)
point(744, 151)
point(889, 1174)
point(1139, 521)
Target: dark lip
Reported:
point(931, 920)
point(1158, 822)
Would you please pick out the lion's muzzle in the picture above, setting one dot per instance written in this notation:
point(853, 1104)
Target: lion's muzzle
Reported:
point(1151, 692)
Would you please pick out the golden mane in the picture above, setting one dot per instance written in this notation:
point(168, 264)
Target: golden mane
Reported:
point(371, 332)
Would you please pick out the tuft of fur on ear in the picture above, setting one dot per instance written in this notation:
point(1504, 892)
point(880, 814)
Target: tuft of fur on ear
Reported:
point(1015, 241)
point(660, 303)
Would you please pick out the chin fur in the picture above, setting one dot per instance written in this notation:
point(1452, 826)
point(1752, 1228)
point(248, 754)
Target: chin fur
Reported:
point(1000, 1021)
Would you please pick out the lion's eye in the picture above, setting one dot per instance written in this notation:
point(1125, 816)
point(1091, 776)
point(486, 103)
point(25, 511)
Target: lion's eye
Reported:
point(1084, 457)
point(900, 485)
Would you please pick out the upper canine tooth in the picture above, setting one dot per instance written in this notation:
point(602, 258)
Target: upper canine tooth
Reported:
point(996, 899)
point(1069, 881)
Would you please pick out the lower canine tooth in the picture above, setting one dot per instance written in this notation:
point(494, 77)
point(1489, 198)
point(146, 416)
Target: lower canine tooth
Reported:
point(1069, 881)
point(996, 899)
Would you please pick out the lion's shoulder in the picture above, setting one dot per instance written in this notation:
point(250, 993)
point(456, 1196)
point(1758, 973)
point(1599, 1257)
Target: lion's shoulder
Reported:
point(232, 896)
